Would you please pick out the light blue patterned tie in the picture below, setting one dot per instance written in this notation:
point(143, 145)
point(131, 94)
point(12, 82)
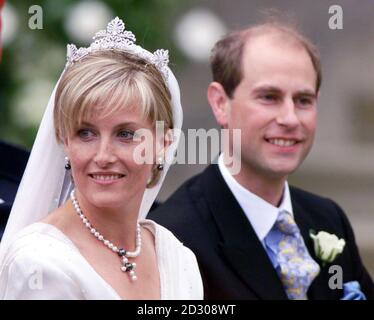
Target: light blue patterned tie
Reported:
point(296, 269)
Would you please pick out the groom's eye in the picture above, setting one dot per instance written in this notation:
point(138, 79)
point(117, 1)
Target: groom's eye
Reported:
point(269, 97)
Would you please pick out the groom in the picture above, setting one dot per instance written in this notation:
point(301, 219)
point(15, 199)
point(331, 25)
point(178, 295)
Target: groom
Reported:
point(251, 231)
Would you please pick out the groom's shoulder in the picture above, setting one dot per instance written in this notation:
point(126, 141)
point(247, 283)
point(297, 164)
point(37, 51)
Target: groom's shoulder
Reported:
point(182, 203)
point(324, 213)
point(313, 202)
point(185, 192)
point(308, 196)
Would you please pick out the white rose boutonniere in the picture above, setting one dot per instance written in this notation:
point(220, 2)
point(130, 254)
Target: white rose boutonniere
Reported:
point(327, 246)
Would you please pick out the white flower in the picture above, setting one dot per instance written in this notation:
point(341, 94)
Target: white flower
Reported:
point(327, 246)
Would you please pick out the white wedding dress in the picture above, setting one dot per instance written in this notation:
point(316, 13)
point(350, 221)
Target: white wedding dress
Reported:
point(43, 263)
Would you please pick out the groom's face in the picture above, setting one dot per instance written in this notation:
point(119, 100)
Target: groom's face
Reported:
point(274, 106)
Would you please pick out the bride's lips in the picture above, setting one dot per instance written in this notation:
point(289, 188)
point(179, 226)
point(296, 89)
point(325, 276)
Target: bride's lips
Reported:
point(105, 178)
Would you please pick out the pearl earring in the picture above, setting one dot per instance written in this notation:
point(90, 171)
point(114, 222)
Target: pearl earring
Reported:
point(67, 163)
point(160, 165)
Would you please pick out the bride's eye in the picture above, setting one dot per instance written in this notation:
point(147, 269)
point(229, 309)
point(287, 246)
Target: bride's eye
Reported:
point(126, 134)
point(85, 134)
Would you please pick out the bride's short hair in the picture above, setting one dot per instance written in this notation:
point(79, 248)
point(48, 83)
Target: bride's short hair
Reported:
point(105, 82)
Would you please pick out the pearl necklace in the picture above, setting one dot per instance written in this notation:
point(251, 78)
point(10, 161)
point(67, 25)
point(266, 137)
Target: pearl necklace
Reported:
point(122, 253)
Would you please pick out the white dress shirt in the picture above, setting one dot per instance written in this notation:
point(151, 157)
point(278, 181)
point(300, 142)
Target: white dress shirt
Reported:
point(260, 213)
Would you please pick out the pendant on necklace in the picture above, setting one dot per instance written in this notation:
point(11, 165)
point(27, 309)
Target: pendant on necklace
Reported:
point(127, 266)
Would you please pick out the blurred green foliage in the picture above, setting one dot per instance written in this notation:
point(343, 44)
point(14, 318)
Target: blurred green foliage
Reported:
point(34, 56)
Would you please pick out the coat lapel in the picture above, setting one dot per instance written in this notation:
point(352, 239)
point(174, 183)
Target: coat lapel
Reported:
point(239, 244)
point(319, 289)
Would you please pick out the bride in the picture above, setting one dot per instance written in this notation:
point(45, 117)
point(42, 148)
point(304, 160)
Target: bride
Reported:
point(77, 227)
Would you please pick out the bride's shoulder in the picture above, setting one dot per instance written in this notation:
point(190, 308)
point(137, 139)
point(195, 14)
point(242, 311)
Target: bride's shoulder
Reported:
point(39, 242)
point(159, 232)
point(39, 253)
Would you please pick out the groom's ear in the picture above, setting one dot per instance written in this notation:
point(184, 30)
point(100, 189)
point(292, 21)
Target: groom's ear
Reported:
point(219, 102)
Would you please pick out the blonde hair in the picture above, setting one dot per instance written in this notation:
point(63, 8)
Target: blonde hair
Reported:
point(106, 82)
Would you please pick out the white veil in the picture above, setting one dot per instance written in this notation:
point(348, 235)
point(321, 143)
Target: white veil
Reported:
point(45, 184)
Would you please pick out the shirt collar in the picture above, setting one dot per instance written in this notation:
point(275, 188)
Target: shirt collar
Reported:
point(260, 213)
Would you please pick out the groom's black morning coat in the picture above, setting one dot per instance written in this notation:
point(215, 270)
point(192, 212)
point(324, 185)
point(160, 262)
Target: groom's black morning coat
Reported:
point(205, 216)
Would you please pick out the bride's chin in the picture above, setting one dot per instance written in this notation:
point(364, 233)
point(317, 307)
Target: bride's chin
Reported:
point(108, 203)
point(102, 200)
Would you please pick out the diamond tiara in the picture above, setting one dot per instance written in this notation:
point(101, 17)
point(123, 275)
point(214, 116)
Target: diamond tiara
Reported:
point(115, 37)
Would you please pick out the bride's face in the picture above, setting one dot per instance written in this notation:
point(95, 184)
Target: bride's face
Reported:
point(101, 153)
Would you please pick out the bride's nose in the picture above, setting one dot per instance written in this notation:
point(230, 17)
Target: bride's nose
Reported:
point(105, 153)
